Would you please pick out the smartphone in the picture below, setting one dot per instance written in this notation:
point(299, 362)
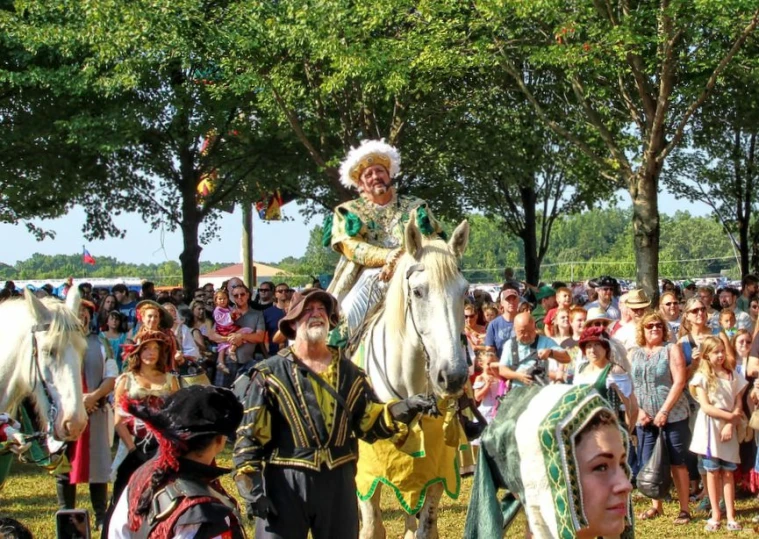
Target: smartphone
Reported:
point(72, 524)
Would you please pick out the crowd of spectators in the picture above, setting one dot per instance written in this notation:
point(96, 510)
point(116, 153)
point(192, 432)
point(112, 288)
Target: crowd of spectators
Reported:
point(683, 366)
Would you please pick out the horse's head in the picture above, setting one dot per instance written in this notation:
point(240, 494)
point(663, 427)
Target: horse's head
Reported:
point(52, 364)
point(429, 286)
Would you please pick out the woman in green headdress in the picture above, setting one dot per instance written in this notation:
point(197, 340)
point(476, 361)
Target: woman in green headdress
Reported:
point(562, 456)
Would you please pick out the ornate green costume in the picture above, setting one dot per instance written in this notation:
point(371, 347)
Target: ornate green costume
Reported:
point(529, 449)
point(367, 236)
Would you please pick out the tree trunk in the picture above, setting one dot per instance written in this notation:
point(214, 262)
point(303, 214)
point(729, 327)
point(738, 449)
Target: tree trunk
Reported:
point(529, 236)
point(190, 256)
point(190, 225)
point(755, 247)
point(646, 227)
point(745, 248)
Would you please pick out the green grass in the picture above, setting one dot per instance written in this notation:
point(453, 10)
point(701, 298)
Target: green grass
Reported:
point(29, 496)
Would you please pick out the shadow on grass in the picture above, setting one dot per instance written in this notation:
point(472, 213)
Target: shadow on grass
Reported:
point(25, 470)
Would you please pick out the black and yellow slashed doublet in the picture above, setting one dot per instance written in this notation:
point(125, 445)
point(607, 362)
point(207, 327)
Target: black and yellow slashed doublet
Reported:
point(291, 420)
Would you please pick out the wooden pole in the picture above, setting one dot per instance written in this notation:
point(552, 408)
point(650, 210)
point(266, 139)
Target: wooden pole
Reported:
point(248, 269)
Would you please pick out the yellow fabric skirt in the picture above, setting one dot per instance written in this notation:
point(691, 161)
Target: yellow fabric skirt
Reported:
point(423, 460)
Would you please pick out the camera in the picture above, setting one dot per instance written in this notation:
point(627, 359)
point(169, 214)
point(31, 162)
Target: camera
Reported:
point(72, 524)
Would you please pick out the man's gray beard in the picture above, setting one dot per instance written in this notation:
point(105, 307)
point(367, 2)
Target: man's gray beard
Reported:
point(313, 334)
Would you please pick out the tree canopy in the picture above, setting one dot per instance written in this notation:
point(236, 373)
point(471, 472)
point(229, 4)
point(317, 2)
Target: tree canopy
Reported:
point(523, 112)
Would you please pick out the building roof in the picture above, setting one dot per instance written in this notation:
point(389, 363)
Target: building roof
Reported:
point(235, 270)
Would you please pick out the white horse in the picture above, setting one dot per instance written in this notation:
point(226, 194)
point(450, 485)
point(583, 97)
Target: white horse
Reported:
point(41, 350)
point(414, 346)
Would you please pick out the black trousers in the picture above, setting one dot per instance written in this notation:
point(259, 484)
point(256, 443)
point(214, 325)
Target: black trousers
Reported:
point(322, 502)
point(67, 496)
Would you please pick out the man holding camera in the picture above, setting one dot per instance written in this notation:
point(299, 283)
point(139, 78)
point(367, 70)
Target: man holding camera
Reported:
point(527, 353)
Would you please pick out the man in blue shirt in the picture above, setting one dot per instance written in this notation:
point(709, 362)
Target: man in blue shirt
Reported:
point(125, 305)
point(274, 313)
point(501, 329)
point(530, 348)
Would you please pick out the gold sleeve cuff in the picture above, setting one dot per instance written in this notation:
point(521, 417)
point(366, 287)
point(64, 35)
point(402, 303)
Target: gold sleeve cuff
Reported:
point(372, 414)
point(247, 469)
point(363, 253)
point(381, 412)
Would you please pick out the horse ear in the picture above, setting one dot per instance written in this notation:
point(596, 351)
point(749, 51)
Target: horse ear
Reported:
point(413, 244)
point(73, 300)
point(38, 310)
point(459, 239)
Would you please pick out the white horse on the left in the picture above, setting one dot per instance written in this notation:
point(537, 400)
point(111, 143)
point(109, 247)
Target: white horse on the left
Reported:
point(41, 350)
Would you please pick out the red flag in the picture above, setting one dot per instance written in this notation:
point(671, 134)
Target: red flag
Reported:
point(87, 257)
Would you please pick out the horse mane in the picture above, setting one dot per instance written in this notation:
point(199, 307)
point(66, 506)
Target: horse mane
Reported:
point(64, 325)
point(440, 265)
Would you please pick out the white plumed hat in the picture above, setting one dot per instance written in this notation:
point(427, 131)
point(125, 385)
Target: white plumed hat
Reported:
point(370, 152)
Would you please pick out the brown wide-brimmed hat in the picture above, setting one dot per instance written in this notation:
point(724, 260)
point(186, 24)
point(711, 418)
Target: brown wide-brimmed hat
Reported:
point(145, 336)
point(166, 321)
point(299, 302)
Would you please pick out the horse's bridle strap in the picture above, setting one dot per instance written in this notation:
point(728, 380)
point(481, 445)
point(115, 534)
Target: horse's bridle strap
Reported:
point(413, 269)
point(40, 327)
point(52, 410)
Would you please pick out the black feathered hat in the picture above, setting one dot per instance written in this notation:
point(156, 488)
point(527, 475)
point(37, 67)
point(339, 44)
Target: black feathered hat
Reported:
point(193, 411)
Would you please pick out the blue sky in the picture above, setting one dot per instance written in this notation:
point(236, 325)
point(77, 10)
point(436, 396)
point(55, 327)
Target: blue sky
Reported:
point(271, 241)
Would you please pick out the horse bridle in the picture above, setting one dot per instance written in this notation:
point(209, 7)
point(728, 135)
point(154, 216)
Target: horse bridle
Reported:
point(52, 411)
point(382, 370)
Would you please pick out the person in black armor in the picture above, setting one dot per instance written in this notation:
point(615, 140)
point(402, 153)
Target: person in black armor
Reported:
point(178, 493)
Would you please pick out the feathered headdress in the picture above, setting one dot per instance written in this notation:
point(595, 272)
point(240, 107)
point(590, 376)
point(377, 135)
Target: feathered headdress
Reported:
point(370, 152)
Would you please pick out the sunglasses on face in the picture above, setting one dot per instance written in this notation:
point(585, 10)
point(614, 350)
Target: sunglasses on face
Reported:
point(240, 295)
point(655, 325)
point(670, 303)
point(282, 291)
point(469, 316)
point(698, 310)
point(262, 290)
point(597, 324)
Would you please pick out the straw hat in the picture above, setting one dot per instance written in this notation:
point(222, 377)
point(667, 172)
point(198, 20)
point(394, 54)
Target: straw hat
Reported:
point(597, 313)
point(637, 299)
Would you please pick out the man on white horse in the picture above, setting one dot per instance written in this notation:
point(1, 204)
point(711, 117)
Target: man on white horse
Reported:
point(368, 231)
point(304, 408)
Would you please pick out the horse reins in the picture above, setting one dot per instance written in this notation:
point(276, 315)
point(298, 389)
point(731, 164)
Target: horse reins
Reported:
point(409, 271)
point(382, 370)
point(52, 413)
